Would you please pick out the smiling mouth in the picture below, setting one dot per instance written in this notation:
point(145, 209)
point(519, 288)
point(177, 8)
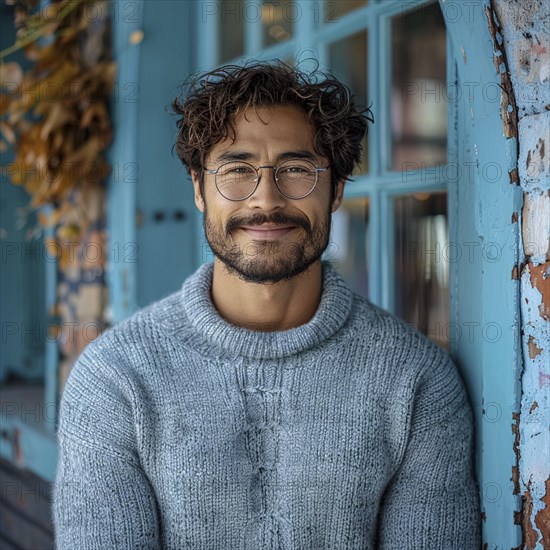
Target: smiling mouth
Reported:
point(267, 234)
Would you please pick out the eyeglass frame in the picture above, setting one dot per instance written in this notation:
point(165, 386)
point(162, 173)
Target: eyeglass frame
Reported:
point(317, 169)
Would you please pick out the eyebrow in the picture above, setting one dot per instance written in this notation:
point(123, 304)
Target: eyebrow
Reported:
point(245, 155)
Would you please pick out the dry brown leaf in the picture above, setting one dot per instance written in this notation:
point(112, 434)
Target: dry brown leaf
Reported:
point(11, 75)
point(17, 169)
point(7, 132)
point(50, 28)
point(4, 103)
point(44, 219)
point(32, 51)
point(68, 35)
point(96, 111)
point(50, 13)
point(56, 118)
point(55, 153)
point(86, 153)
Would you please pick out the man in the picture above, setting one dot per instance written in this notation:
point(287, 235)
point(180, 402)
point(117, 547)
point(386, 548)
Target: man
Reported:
point(265, 405)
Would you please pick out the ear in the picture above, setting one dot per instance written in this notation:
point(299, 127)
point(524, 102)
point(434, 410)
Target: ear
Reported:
point(338, 195)
point(199, 201)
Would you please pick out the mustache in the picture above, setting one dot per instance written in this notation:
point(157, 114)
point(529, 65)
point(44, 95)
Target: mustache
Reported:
point(277, 218)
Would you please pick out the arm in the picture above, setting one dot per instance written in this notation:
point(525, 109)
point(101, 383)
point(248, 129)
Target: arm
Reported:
point(102, 498)
point(432, 501)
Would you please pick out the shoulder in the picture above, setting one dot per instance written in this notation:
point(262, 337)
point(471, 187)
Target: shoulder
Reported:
point(410, 357)
point(387, 331)
point(113, 356)
point(143, 327)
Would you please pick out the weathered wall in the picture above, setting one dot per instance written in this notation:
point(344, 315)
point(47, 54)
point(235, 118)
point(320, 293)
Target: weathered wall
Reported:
point(526, 42)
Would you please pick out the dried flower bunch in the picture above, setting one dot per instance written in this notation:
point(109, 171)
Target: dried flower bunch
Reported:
point(56, 115)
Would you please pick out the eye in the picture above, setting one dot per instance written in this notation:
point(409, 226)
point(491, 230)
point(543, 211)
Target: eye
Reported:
point(237, 170)
point(240, 170)
point(296, 169)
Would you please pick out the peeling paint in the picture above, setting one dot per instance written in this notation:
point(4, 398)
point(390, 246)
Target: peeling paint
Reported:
point(524, 48)
point(540, 279)
point(536, 227)
point(517, 452)
point(534, 350)
point(527, 43)
point(534, 444)
point(542, 518)
point(530, 535)
point(509, 116)
point(534, 160)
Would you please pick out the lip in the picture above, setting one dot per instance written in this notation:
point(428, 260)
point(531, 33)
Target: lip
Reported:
point(274, 232)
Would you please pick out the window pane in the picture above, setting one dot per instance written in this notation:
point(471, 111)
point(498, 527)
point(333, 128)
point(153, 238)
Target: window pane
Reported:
point(348, 63)
point(334, 9)
point(422, 264)
point(231, 36)
point(278, 19)
point(349, 243)
point(418, 96)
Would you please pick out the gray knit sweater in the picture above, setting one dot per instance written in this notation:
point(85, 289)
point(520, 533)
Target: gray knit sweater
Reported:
point(181, 431)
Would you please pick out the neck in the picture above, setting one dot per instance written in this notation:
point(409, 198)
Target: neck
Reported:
point(266, 307)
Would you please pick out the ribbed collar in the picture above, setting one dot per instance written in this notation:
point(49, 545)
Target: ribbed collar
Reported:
point(333, 311)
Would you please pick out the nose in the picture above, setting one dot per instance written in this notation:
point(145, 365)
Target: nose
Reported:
point(267, 195)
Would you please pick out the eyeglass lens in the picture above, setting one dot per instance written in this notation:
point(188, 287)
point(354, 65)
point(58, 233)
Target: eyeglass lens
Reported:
point(237, 180)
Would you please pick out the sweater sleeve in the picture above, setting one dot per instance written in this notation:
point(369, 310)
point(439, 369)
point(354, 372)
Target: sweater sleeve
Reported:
point(432, 501)
point(102, 498)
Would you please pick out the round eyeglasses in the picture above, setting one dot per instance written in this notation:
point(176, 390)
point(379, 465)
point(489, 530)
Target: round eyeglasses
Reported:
point(294, 178)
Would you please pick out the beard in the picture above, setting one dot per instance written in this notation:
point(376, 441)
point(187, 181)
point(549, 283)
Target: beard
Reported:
point(268, 261)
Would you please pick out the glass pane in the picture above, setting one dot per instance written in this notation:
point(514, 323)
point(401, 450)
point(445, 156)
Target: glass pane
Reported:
point(231, 36)
point(422, 256)
point(349, 243)
point(418, 95)
point(278, 18)
point(334, 9)
point(348, 63)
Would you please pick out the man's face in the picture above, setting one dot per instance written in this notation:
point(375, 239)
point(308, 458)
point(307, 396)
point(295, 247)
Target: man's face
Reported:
point(253, 255)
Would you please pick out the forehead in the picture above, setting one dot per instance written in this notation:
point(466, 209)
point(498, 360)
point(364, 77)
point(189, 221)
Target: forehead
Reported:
point(269, 130)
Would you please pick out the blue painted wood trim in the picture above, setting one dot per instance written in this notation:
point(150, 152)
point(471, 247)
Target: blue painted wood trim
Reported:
point(485, 294)
point(205, 34)
point(121, 193)
point(51, 360)
point(452, 198)
point(205, 60)
point(374, 94)
point(253, 33)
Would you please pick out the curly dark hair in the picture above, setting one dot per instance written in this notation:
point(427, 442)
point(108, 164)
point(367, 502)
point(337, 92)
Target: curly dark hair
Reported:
point(212, 100)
